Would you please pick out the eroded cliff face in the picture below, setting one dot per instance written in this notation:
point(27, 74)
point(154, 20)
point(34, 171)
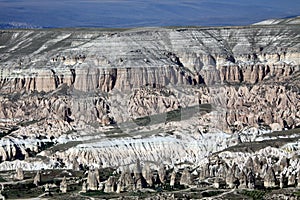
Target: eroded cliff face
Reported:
point(91, 60)
point(68, 86)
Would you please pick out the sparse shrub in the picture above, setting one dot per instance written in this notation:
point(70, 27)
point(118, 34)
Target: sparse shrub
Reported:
point(255, 194)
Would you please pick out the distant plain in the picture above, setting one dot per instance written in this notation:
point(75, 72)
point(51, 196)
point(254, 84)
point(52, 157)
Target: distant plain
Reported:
point(137, 13)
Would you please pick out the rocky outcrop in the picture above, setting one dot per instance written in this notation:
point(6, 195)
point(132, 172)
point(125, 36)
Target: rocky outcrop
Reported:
point(298, 179)
point(251, 180)
point(231, 180)
point(150, 101)
point(235, 109)
point(148, 175)
point(186, 178)
point(91, 60)
point(37, 178)
point(156, 94)
point(245, 106)
point(162, 174)
point(84, 187)
point(157, 149)
point(173, 179)
point(126, 181)
point(93, 179)
point(63, 185)
point(95, 79)
point(19, 174)
point(138, 178)
point(110, 184)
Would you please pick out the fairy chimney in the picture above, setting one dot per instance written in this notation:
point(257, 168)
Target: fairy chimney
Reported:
point(231, 180)
point(63, 185)
point(251, 180)
point(147, 174)
point(162, 174)
point(138, 177)
point(243, 180)
point(19, 174)
point(75, 165)
point(84, 187)
point(281, 180)
point(204, 171)
point(93, 179)
point(283, 163)
point(110, 184)
point(298, 179)
point(125, 182)
point(37, 178)
point(173, 179)
point(292, 179)
point(270, 178)
point(186, 177)
point(249, 163)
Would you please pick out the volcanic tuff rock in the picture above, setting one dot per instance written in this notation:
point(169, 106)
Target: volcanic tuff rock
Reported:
point(93, 179)
point(43, 60)
point(19, 174)
point(147, 174)
point(186, 178)
point(37, 178)
point(110, 184)
point(63, 185)
point(109, 97)
point(126, 181)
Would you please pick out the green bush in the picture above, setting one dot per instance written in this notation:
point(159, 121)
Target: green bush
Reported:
point(255, 194)
point(297, 193)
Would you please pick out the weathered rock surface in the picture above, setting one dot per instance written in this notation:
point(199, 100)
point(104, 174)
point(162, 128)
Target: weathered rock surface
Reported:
point(19, 174)
point(95, 60)
point(37, 178)
point(63, 185)
point(170, 94)
point(110, 184)
point(93, 179)
point(186, 178)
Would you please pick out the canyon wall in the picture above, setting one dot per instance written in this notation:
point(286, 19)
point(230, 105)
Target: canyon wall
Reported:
point(42, 60)
point(95, 86)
